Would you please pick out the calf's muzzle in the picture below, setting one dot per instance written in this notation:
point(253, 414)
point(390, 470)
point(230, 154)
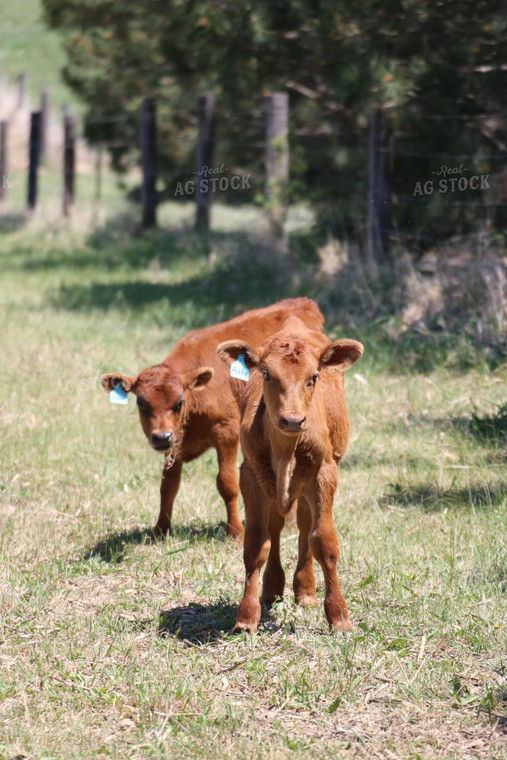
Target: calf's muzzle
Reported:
point(161, 441)
point(292, 423)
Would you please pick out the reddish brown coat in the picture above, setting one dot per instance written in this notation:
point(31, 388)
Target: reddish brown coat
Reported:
point(189, 403)
point(294, 431)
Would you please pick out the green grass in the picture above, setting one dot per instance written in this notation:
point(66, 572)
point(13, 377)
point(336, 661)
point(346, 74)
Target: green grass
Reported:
point(112, 647)
point(28, 46)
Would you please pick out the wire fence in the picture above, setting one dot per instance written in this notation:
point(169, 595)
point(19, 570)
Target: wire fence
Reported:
point(421, 184)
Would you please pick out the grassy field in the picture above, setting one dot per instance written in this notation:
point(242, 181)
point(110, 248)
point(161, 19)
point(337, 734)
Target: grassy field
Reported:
point(28, 46)
point(113, 647)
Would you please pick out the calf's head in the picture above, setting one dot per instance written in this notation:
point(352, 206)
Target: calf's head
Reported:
point(290, 367)
point(162, 395)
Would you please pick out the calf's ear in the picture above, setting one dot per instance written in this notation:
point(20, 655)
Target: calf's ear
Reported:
point(110, 380)
point(197, 379)
point(229, 351)
point(341, 354)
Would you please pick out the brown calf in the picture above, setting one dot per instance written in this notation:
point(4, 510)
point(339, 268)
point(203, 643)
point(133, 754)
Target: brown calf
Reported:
point(294, 431)
point(189, 403)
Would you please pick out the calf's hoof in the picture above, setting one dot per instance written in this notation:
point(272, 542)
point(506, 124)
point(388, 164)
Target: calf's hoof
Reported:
point(159, 533)
point(249, 627)
point(235, 531)
point(344, 625)
point(249, 614)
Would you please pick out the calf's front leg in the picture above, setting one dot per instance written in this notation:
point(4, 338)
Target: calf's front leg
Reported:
point(273, 583)
point(228, 485)
point(255, 550)
point(325, 549)
point(171, 477)
point(324, 546)
point(304, 577)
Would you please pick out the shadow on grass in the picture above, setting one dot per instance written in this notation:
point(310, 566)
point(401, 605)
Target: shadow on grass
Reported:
point(12, 222)
point(204, 623)
point(113, 548)
point(122, 245)
point(196, 532)
point(430, 498)
point(109, 252)
point(198, 623)
point(234, 284)
point(487, 429)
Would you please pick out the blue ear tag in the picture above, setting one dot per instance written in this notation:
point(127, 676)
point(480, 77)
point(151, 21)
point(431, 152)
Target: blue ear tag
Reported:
point(239, 370)
point(118, 395)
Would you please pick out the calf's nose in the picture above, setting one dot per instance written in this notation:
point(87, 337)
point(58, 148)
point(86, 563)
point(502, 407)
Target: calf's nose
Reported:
point(292, 422)
point(161, 440)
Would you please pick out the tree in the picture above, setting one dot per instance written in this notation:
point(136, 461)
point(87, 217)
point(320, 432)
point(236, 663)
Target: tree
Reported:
point(436, 69)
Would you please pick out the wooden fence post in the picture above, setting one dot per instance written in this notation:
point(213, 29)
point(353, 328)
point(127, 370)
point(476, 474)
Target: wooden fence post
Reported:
point(69, 162)
point(4, 177)
point(99, 148)
point(205, 149)
point(33, 158)
point(277, 161)
point(149, 162)
point(21, 91)
point(379, 201)
point(44, 107)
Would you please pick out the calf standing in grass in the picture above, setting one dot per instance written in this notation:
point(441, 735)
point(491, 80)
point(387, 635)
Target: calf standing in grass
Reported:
point(294, 431)
point(189, 403)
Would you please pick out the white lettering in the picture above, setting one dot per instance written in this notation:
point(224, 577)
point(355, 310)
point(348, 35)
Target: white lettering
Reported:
point(445, 170)
point(207, 170)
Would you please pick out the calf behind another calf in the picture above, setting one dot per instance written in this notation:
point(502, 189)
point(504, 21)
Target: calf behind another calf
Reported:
point(189, 403)
point(294, 431)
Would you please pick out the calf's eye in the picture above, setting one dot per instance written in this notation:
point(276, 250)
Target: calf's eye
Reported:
point(266, 376)
point(177, 406)
point(142, 406)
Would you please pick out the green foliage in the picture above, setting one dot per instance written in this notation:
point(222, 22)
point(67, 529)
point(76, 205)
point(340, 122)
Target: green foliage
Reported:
point(435, 69)
point(490, 428)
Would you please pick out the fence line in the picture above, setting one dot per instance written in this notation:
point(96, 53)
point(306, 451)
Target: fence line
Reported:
point(274, 148)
